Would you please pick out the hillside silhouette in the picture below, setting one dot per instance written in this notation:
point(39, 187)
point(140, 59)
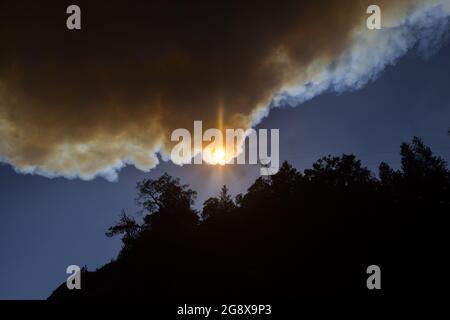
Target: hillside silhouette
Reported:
point(293, 234)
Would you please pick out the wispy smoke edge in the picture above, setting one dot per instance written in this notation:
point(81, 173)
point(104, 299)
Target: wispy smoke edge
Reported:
point(368, 56)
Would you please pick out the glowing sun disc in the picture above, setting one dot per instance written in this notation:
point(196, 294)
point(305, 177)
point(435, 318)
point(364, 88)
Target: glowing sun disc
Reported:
point(218, 156)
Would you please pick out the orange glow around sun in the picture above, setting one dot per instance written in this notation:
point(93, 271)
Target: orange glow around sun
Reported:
point(215, 153)
point(218, 156)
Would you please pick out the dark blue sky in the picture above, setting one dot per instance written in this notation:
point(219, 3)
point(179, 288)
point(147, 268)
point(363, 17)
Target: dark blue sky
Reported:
point(48, 224)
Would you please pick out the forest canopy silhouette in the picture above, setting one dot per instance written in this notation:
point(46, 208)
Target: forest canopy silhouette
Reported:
point(292, 234)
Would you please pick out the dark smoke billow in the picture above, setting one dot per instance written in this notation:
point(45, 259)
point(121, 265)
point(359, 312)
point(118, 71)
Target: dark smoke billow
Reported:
point(86, 103)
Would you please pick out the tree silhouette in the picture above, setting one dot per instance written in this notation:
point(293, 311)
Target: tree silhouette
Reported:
point(127, 226)
point(217, 206)
point(291, 234)
point(167, 204)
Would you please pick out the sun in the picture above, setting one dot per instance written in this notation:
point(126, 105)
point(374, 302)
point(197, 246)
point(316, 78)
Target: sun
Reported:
point(218, 156)
point(215, 156)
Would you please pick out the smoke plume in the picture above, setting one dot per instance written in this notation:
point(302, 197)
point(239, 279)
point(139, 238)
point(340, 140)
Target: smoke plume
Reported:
point(86, 103)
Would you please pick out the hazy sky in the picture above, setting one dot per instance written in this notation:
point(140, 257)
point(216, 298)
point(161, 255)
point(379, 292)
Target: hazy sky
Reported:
point(47, 224)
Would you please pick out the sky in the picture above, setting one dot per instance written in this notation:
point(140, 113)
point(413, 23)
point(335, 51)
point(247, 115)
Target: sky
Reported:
point(56, 202)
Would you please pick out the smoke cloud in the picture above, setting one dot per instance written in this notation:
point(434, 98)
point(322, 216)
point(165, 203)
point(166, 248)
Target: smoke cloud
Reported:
point(86, 103)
